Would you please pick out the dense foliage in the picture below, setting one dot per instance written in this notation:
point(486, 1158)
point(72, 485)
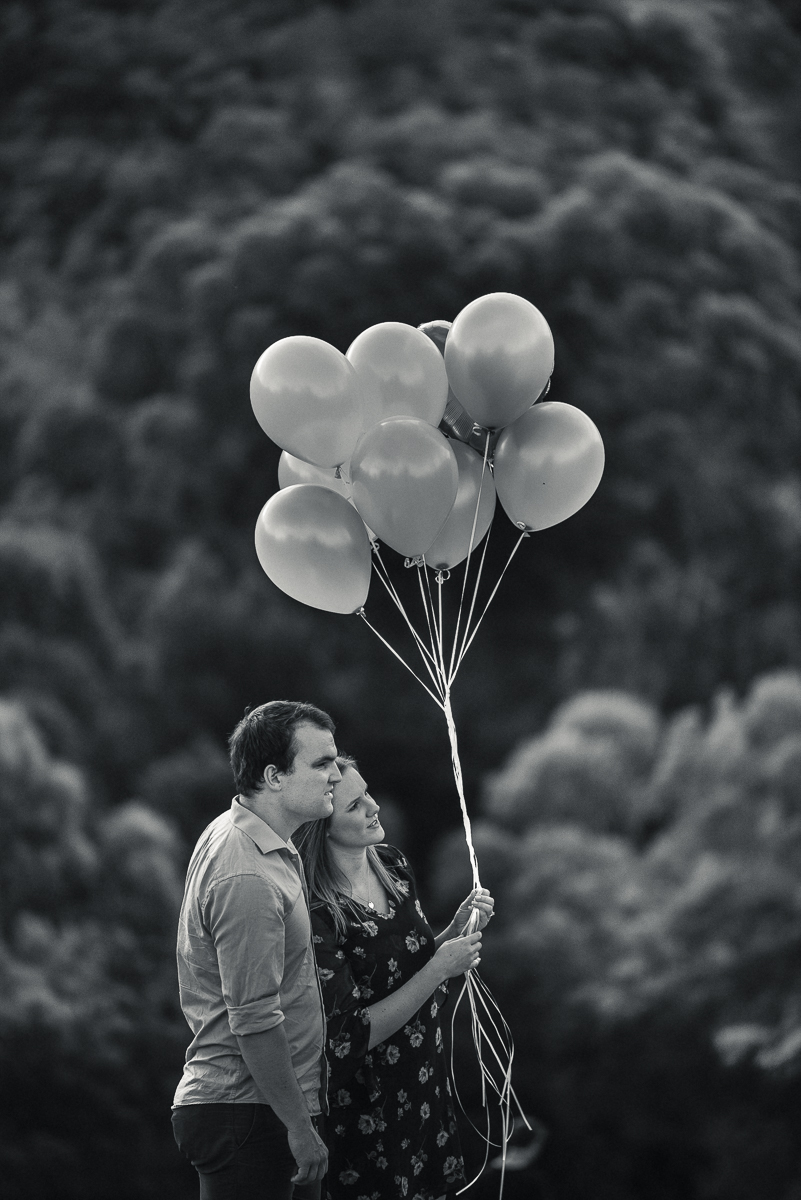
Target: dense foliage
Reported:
point(186, 182)
point(647, 874)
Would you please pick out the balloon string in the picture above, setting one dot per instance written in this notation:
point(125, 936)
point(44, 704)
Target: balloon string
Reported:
point(472, 605)
point(466, 647)
point(486, 1138)
point(383, 575)
point(479, 997)
point(469, 552)
point(489, 1034)
point(457, 774)
point(434, 629)
point(441, 654)
point(506, 1093)
point(429, 621)
point(437, 626)
point(436, 699)
point(429, 661)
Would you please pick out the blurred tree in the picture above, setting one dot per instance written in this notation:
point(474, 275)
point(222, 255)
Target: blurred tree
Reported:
point(186, 183)
point(679, 938)
point(91, 1031)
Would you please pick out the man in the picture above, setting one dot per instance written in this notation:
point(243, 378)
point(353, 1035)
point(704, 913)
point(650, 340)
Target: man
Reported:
point(248, 1104)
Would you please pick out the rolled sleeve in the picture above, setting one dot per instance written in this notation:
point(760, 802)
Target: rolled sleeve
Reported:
point(245, 916)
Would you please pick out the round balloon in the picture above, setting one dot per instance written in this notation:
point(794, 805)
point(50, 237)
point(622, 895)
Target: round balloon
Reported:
point(404, 478)
point(401, 374)
point(437, 331)
point(548, 464)
point(307, 398)
point(293, 470)
point(313, 545)
point(456, 423)
point(452, 543)
point(499, 355)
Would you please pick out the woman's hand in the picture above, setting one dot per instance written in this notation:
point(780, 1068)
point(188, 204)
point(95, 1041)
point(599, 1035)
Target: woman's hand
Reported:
point(479, 901)
point(458, 955)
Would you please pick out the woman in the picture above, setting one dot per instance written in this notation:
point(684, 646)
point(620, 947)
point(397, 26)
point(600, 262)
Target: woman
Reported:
point(391, 1129)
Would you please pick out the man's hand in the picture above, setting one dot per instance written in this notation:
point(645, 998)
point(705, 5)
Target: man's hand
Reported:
point(309, 1152)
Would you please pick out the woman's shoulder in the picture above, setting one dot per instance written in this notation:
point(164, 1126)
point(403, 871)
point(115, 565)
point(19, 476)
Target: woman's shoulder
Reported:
point(399, 867)
point(321, 913)
point(392, 857)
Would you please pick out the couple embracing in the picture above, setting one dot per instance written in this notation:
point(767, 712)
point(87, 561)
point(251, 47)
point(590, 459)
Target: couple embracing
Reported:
point(312, 984)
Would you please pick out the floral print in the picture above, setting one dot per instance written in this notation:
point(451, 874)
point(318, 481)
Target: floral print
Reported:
point(453, 1169)
point(392, 1123)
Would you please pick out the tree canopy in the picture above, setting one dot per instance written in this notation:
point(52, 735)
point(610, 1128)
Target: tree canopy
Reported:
point(185, 183)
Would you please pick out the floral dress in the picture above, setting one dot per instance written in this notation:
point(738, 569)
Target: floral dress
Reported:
point(391, 1129)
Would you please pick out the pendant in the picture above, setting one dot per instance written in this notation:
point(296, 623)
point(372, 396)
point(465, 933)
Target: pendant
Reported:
point(370, 904)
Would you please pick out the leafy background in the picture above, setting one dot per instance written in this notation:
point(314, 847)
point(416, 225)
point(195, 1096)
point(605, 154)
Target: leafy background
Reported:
point(185, 183)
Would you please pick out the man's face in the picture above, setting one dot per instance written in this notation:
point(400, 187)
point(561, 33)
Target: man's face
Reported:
point(307, 790)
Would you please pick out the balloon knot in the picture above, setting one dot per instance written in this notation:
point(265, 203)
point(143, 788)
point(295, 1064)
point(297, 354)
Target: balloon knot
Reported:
point(358, 612)
point(442, 576)
point(417, 561)
point(522, 525)
point(338, 473)
point(374, 545)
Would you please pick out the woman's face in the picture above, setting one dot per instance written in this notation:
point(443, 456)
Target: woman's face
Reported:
point(354, 822)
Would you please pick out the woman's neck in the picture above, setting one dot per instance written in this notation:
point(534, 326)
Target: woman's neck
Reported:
point(353, 863)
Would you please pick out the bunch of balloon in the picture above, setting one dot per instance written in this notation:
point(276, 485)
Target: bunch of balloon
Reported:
point(407, 441)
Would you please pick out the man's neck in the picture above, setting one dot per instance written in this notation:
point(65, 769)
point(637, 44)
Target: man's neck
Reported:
point(279, 822)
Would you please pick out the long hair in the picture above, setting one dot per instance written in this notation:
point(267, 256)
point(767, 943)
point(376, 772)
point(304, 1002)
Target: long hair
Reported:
point(327, 884)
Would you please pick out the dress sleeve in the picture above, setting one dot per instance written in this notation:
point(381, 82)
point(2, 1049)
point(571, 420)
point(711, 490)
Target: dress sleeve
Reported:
point(400, 867)
point(348, 1020)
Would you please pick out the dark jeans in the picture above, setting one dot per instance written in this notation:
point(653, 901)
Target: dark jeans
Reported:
point(240, 1152)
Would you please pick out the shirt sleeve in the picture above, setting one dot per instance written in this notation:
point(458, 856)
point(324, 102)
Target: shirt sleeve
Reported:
point(348, 1021)
point(245, 916)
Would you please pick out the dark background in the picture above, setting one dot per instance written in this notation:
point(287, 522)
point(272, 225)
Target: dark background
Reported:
point(185, 181)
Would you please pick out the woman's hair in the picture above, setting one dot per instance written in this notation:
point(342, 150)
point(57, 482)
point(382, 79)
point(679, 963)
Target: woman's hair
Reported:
point(327, 884)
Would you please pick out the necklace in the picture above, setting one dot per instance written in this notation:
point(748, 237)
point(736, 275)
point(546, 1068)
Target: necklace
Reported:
point(369, 899)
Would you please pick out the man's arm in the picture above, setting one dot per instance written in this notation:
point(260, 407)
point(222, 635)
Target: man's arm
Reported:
point(244, 914)
point(267, 1057)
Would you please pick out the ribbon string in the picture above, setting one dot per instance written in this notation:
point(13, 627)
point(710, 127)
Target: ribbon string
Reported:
point(515, 548)
point(492, 1038)
point(403, 661)
point(478, 994)
point(457, 774)
point(484, 469)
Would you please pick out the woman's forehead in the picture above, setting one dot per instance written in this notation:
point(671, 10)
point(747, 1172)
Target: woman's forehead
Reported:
point(351, 784)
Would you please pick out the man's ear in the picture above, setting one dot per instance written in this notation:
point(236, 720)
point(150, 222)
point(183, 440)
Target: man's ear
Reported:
point(272, 777)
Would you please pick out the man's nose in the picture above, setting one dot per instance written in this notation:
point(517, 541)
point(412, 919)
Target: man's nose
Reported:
point(335, 774)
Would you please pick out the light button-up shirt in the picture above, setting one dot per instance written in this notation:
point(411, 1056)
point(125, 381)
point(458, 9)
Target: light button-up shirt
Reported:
point(246, 961)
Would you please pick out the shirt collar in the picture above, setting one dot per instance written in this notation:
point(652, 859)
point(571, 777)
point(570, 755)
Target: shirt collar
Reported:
point(258, 830)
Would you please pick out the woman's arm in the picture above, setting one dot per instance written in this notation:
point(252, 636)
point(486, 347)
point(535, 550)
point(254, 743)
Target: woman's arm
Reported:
point(453, 957)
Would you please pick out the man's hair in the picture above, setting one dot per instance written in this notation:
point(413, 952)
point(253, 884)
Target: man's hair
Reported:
point(265, 735)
